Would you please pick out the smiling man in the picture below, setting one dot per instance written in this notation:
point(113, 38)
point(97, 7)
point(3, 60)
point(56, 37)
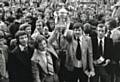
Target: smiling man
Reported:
point(19, 60)
point(102, 54)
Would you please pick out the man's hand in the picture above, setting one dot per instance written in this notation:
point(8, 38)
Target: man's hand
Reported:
point(90, 74)
point(106, 62)
point(99, 61)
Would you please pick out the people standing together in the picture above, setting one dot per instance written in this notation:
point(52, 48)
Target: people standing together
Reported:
point(64, 41)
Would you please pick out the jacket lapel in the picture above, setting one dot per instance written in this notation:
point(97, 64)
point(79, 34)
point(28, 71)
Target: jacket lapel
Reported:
point(105, 45)
point(75, 45)
point(19, 56)
point(38, 59)
point(42, 64)
point(83, 45)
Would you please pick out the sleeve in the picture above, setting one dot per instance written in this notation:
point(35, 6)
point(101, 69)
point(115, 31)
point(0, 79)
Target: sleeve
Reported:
point(35, 72)
point(12, 67)
point(90, 54)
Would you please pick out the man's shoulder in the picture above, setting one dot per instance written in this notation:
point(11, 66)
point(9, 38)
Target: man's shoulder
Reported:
point(15, 49)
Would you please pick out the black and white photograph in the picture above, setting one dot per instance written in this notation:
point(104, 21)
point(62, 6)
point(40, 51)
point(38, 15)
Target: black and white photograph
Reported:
point(59, 40)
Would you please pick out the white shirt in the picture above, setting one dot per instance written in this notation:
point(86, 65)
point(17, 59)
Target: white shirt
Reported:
point(22, 47)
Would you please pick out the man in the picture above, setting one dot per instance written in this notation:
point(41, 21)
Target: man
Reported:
point(3, 58)
point(80, 52)
point(19, 61)
point(39, 28)
point(44, 61)
point(58, 42)
point(102, 54)
point(115, 35)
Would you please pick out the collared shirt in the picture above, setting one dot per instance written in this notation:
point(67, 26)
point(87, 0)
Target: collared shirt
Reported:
point(79, 62)
point(80, 38)
point(22, 47)
point(102, 43)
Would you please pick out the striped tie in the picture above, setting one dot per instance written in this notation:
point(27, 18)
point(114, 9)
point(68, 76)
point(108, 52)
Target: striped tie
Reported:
point(50, 64)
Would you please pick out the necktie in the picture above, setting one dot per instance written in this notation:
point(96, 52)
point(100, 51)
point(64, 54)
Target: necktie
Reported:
point(78, 50)
point(50, 65)
point(100, 48)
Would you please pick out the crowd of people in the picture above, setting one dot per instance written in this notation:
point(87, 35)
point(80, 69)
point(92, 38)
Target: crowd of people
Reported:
point(60, 41)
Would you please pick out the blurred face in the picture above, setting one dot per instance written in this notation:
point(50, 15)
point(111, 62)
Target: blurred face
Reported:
point(46, 30)
point(42, 45)
point(23, 40)
point(1, 14)
point(83, 17)
point(2, 40)
point(52, 24)
point(39, 26)
point(47, 16)
point(78, 32)
point(91, 17)
point(28, 30)
point(7, 14)
point(107, 25)
point(101, 32)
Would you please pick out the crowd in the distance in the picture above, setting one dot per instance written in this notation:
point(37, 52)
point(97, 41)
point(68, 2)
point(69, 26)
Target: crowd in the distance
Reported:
point(60, 41)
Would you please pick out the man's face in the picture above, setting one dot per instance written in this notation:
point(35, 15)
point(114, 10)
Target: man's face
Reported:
point(42, 45)
point(23, 39)
point(78, 32)
point(28, 30)
point(101, 32)
point(107, 25)
point(52, 24)
point(83, 17)
point(39, 26)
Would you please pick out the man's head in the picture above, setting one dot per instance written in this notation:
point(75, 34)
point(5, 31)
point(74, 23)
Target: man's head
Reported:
point(22, 38)
point(26, 27)
point(78, 29)
point(101, 30)
point(41, 43)
point(39, 25)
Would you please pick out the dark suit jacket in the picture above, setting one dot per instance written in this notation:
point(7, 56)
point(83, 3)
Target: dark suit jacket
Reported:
point(108, 48)
point(19, 65)
point(108, 51)
point(87, 54)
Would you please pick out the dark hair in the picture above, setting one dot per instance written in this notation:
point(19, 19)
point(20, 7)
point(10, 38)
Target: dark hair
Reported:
point(77, 26)
point(87, 28)
point(6, 3)
point(101, 26)
point(18, 34)
point(38, 40)
point(113, 23)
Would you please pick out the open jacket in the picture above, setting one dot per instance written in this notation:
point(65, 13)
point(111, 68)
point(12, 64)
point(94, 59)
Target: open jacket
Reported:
point(87, 54)
point(39, 69)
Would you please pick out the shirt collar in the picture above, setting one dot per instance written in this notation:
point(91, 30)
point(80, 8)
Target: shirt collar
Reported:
point(42, 52)
point(101, 39)
point(22, 47)
point(80, 38)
